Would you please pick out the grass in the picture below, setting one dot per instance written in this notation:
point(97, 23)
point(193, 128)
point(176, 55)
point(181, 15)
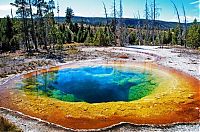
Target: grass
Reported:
point(6, 126)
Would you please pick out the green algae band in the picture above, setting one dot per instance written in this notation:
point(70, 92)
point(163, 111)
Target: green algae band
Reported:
point(91, 84)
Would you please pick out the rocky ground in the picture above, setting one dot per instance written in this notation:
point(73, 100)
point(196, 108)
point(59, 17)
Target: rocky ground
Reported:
point(17, 63)
point(187, 61)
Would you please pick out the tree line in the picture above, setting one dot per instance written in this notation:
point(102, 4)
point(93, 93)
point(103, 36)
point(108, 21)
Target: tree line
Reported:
point(39, 31)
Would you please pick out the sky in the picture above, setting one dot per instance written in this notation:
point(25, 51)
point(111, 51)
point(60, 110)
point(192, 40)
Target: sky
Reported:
point(94, 8)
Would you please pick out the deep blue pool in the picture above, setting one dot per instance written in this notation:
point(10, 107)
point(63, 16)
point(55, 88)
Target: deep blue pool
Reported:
point(91, 84)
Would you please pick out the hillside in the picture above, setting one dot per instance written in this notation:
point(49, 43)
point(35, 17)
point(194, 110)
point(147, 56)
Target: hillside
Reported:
point(128, 21)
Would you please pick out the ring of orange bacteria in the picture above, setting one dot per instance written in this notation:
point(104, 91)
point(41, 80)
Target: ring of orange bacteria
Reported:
point(175, 99)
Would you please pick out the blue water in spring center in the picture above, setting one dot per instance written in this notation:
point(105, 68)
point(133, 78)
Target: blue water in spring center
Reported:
point(90, 84)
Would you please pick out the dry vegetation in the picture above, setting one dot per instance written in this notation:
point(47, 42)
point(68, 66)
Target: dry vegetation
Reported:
point(6, 126)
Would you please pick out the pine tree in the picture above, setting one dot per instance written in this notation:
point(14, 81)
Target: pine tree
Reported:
point(132, 38)
point(24, 13)
point(8, 34)
point(76, 28)
point(69, 15)
point(158, 39)
point(3, 38)
point(169, 37)
point(42, 31)
point(165, 40)
point(100, 38)
point(33, 34)
point(50, 23)
point(81, 34)
point(59, 37)
point(90, 36)
point(71, 26)
point(193, 39)
point(68, 36)
point(53, 36)
point(175, 35)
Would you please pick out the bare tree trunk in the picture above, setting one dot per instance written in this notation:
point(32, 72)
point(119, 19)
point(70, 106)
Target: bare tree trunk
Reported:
point(106, 14)
point(147, 23)
point(154, 18)
point(121, 43)
point(23, 25)
point(11, 12)
point(115, 22)
point(179, 22)
point(139, 30)
point(43, 25)
point(33, 28)
point(58, 11)
point(107, 23)
point(46, 34)
point(185, 28)
point(159, 37)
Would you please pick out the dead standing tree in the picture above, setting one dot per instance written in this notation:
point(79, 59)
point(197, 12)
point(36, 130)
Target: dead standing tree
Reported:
point(58, 11)
point(139, 30)
point(154, 19)
point(185, 27)
point(121, 30)
point(154, 14)
point(107, 22)
point(33, 34)
point(120, 27)
point(179, 22)
point(117, 30)
point(115, 22)
point(146, 22)
point(106, 14)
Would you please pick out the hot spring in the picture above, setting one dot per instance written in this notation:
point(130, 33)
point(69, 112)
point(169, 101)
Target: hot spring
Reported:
point(91, 84)
point(93, 94)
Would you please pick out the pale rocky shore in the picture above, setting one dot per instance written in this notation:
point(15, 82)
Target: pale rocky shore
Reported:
point(187, 61)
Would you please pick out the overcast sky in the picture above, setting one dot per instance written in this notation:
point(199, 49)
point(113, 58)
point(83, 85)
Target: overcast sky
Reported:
point(94, 8)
